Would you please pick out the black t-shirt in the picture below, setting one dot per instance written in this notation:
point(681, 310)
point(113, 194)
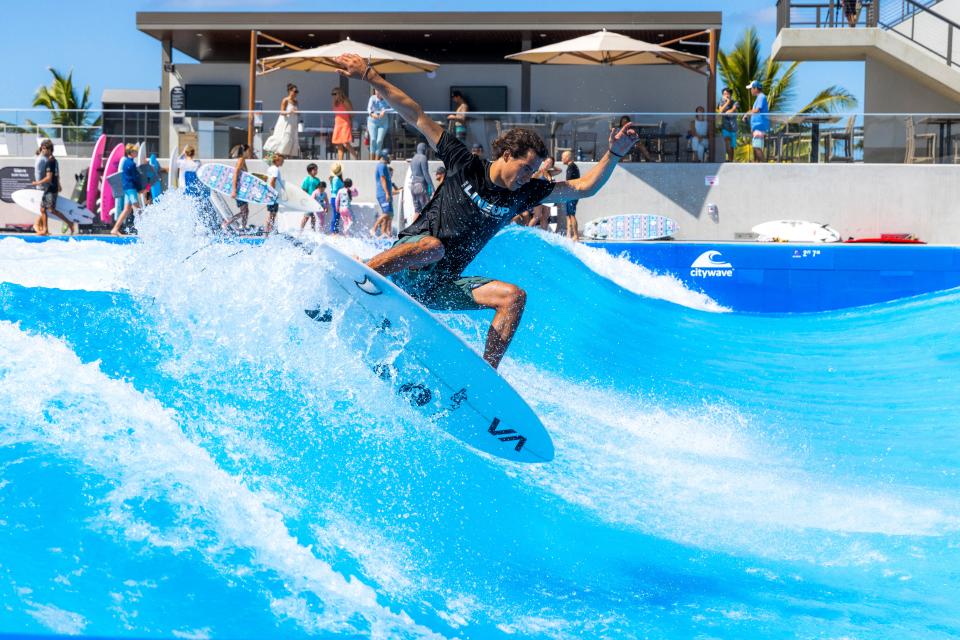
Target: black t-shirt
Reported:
point(52, 167)
point(468, 209)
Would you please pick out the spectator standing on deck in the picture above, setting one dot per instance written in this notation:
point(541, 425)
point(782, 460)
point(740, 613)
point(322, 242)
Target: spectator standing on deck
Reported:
point(759, 120)
point(851, 11)
point(342, 136)
point(440, 175)
point(420, 184)
point(320, 195)
point(377, 123)
point(541, 212)
point(39, 172)
point(573, 172)
point(132, 186)
point(728, 107)
point(477, 150)
point(336, 183)
point(310, 184)
point(242, 153)
point(275, 180)
point(343, 205)
point(385, 192)
point(286, 133)
point(458, 119)
point(50, 183)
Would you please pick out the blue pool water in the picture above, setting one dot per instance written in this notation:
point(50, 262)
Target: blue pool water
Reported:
point(186, 455)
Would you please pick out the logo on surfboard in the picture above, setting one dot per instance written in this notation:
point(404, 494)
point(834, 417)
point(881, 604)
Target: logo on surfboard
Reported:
point(710, 264)
point(367, 286)
point(506, 435)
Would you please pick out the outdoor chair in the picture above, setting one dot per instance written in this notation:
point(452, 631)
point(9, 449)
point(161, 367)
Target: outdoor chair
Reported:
point(843, 138)
point(927, 142)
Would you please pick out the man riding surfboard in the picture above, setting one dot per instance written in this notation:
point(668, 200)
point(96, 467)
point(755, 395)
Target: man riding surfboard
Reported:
point(477, 199)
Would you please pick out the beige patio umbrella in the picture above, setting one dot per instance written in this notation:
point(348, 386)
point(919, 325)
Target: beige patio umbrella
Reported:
point(607, 47)
point(322, 59)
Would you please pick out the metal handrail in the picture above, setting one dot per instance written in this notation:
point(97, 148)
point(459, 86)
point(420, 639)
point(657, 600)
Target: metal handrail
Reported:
point(911, 10)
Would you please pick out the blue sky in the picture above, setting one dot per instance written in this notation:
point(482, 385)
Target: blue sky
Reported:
point(98, 39)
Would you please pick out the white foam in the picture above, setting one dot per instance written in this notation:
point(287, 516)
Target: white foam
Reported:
point(708, 476)
point(79, 265)
point(132, 440)
point(633, 277)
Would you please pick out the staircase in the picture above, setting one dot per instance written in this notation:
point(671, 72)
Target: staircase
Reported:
point(918, 38)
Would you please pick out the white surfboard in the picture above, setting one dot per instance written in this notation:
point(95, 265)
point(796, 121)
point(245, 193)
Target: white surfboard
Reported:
point(433, 368)
point(219, 203)
point(172, 169)
point(141, 153)
point(30, 199)
point(294, 198)
point(795, 231)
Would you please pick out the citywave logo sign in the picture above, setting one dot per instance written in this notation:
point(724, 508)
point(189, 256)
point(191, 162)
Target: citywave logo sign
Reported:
point(711, 265)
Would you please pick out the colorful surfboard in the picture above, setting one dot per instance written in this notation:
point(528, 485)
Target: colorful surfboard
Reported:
point(219, 178)
point(107, 201)
point(631, 228)
point(94, 173)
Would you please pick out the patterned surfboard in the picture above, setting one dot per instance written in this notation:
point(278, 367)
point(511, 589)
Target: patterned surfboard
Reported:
point(219, 178)
point(631, 227)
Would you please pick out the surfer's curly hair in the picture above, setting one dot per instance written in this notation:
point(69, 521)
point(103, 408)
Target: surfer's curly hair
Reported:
point(518, 142)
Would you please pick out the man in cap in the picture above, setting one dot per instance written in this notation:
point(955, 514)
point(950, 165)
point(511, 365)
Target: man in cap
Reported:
point(759, 120)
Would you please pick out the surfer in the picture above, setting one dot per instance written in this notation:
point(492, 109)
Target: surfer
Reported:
point(477, 198)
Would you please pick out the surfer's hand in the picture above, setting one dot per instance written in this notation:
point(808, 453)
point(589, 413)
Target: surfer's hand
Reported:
point(351, 65)
point(620, 142)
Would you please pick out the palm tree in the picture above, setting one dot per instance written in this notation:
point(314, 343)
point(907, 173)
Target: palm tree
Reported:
point(744, 63)
point(67, 108)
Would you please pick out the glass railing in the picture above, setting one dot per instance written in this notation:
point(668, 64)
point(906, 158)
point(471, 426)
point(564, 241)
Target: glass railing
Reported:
point(664, 137)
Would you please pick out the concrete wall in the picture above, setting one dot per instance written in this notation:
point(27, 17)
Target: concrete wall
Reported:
point(858, 200)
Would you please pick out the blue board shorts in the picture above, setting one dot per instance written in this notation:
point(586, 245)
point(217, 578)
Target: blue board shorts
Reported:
point(758, 139)
point(386, 208)
point(131, 197)
point(435, 293)
point(731, 136)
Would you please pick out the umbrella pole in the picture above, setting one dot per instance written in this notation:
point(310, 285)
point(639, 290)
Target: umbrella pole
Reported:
point(252, 87)
point(712, 98)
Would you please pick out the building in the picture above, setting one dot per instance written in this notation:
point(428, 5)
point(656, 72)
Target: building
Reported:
point(470, 47)
point(911, 55)
point(131, 115)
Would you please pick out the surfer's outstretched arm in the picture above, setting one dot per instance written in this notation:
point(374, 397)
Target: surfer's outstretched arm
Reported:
point(353, 66)
point(621, 141)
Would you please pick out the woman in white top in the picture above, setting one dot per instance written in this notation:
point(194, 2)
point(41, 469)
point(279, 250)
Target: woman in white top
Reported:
point(698, 135)
point(285, 138)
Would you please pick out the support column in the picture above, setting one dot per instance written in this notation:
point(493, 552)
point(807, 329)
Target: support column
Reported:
point(712, 96)
point(166, 66)
point(344, 80)
point(526, 43)
point(252, 87)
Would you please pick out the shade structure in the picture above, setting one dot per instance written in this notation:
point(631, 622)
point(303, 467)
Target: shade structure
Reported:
point(322, 59)
point(607, 47)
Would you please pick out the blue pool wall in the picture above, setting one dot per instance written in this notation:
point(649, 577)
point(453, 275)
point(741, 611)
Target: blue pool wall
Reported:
point(800, 278)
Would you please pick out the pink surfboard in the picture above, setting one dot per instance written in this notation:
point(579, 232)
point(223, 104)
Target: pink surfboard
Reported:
point(93, 174)
point(106, 195)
